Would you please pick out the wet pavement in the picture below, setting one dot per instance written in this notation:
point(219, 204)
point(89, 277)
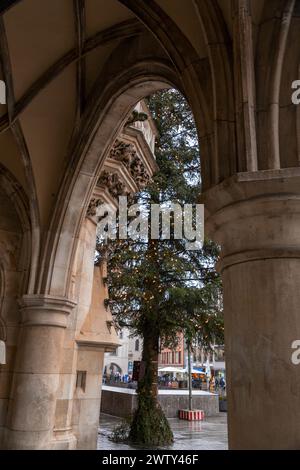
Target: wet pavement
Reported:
point(210, 434)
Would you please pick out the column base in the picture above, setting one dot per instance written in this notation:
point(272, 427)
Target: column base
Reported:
point(31, 413)
point(64, 439)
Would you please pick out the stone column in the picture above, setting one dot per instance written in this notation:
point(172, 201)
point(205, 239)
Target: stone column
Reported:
point(87, 399)
point(67, 405)
point(31, 411)
point(255, 217)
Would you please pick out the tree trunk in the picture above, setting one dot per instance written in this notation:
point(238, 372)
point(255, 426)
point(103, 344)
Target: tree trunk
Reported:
point(150, 426)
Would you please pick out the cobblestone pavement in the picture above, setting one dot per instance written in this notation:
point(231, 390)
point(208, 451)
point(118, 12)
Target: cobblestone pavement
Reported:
point(210, 434)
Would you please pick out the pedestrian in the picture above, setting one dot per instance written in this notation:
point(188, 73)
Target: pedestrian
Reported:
point(216, 383)
point(222, 383)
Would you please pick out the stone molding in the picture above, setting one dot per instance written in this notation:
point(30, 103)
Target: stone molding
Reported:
point(45, 310)
point(251, 185)
point(63, 439)
point(255, 255)
point(95, 345)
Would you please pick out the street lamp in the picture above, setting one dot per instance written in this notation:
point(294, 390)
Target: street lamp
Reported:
point(188, 343)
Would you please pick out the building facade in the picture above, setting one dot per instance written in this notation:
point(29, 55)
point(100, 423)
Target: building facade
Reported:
point(215, 358)
point(121, 360)
point(173, 357)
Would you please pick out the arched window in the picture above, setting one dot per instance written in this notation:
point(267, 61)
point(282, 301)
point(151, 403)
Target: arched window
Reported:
point(137, 345)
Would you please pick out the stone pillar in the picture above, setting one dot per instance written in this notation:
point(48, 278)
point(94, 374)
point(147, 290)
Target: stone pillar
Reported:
point(97, 335)
point(255, 217)
point(67, 407)
point(30, 420)
point(87, 396)
point(87, 338)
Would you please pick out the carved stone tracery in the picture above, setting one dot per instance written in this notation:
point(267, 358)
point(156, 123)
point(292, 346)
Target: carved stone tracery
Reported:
point(92, 209)
point(114, 184)
point(126, 154)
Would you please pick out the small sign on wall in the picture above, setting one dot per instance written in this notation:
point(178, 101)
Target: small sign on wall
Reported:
point(2, 92)
point(2, 352)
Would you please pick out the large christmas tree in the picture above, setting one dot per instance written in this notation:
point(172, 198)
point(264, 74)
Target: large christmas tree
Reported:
point(158, 287)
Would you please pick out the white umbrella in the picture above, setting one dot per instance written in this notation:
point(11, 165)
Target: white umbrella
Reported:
point(171, 369)
point(194, 371)
point(208, 370)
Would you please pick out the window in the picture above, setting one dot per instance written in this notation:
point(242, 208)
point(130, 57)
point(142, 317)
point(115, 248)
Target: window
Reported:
point(137, 345)
point(81, 380)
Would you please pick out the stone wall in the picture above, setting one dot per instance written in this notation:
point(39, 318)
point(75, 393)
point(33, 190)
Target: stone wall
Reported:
point(12, 273)
point(122, 404)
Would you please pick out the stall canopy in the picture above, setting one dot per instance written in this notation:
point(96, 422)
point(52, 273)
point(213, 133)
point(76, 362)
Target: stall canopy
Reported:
point(177, 370)
point(171, 369)
point(195, 370)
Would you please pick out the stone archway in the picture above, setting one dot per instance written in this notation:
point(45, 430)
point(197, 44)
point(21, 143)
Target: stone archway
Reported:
point(113, 367)
point(136, 83)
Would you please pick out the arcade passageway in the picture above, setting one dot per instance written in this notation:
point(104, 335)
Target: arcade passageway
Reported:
point(74, 71)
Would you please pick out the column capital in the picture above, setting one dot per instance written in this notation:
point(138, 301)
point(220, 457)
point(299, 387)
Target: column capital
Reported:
point(255, 215)
point(252, 185)
point(45, 310)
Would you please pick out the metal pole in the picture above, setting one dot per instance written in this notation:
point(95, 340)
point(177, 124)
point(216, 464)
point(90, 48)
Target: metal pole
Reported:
point(190, 374)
